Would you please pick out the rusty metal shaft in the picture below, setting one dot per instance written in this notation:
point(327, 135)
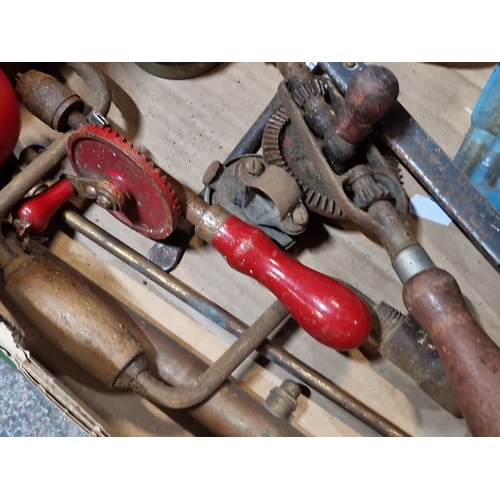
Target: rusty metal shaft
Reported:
point(229, 411)
point(431, 295)
point(210, 380)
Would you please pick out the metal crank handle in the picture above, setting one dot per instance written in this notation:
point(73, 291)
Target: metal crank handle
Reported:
point(325, 308)
point(35, 214)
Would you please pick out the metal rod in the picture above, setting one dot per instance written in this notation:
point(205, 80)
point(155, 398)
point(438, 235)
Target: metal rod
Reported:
point(233, 325)
point(211, 379)
point(166, 281)
point(230, 411)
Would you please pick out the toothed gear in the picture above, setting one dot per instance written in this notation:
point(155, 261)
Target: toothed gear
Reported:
point(302, 93)
point(281, 146)
point(152, 207)
point(368, 192)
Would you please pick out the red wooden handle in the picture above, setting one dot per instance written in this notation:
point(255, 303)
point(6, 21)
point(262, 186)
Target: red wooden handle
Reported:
point(325, 308)
point(38, 210)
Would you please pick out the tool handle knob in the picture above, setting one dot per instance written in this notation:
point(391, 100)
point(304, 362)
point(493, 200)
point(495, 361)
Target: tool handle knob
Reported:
point(470, 357)
point(325, 308)
point(370, 95)
point(35, 213)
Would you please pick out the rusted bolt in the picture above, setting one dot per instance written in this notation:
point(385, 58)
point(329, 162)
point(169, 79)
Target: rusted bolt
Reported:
point(253, 166)
point(76, 120)
point(350, 65)
point(300, 216)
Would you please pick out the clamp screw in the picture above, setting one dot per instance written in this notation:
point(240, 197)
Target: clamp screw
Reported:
point(300, 216)
point(253, 166)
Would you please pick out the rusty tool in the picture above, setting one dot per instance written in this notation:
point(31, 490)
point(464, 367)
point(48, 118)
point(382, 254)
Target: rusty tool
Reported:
point(326, 309)
point(52, 102)
point(263, 195)
point(136, 192)
point(42, 164)
point(368, 193)
point(390, 326)
point(86, 328)
point(403, 342)
point(432, 168)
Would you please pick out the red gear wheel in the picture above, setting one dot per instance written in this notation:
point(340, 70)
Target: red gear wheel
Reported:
point(152, 207)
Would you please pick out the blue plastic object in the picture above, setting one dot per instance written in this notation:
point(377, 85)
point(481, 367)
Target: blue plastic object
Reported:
point(479, 154)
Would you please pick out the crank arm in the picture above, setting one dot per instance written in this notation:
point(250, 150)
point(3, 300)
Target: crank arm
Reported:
point(437, 174)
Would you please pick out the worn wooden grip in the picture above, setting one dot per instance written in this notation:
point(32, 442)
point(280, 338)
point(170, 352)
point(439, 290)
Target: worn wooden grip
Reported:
point(72, 316)
point(470, 357)
point(370, 95)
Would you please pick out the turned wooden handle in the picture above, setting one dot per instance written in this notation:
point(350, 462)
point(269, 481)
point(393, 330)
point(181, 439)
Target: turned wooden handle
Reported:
point(36, 212)
point(324, 307)
point(470, 357)
point(370, 95)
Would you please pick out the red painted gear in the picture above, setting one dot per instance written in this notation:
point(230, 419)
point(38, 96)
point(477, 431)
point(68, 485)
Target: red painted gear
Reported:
point(152, 208)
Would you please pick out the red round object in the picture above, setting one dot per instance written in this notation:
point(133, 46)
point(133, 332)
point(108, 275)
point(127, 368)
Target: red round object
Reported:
point(10, 118)
point(152, 207)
